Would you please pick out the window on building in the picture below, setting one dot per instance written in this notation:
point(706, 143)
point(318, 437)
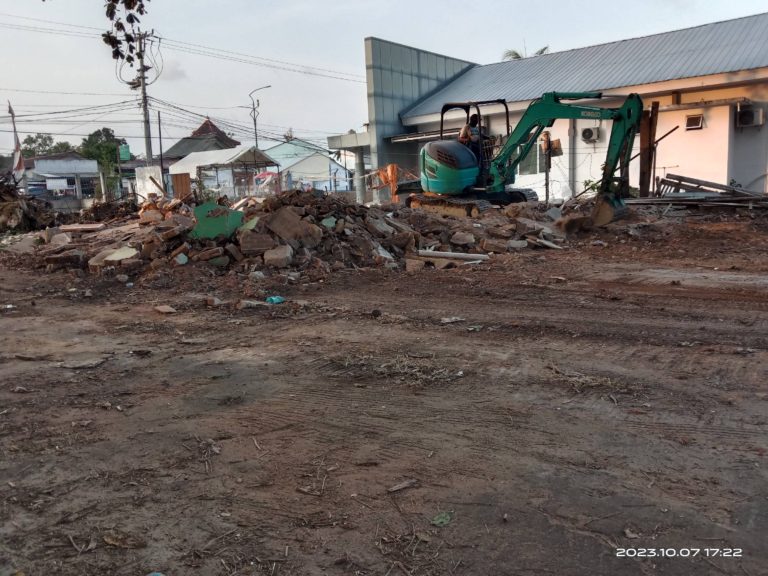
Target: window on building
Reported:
point(533, 163)
point(694, 122)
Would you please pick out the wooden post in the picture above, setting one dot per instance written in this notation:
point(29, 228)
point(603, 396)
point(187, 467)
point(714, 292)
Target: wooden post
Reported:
point(654, 122)
point(547, 148)
point(647, 148)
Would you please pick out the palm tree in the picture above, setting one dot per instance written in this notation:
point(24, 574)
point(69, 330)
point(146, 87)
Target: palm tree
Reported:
point(517, 55)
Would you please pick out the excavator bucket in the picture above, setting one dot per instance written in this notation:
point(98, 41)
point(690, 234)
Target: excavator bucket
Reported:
point(607, 209)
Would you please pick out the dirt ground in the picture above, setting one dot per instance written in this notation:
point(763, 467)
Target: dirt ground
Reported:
point(529, 416)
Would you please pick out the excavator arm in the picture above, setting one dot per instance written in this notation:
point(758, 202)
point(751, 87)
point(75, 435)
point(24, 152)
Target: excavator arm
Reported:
point(543, 112)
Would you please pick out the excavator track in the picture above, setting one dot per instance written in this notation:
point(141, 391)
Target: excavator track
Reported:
point(458, 207)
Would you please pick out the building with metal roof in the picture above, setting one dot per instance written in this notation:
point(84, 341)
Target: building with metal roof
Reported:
point(304, 164)
point(711, 82)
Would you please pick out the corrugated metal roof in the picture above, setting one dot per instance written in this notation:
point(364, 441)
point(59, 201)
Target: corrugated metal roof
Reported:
point(729, 46)
point(289, 153)
point(243, 154)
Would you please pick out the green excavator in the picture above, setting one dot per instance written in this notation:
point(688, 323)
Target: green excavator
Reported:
point(456, 180)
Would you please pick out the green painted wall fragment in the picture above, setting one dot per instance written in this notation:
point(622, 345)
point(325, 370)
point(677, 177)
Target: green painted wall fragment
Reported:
point(214, 221)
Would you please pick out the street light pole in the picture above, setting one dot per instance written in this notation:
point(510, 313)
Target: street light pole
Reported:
point(255, 113)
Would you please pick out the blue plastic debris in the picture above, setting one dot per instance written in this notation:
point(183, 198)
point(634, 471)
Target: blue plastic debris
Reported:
point(275, 300)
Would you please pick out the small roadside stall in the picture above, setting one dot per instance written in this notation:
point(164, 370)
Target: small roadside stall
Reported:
point(233, 172)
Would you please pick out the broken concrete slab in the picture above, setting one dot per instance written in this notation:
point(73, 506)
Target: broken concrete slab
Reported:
point(70, 257)
point(151, 217)
point(554, 213)
point(26, 245)
point(378, 227)
point(60, 239)
point(286, 223)
point(184, 222)
point(311, 235)
point(404, 240)
point(463, 239)
point(279, 257)
point(414, 265)
point(289, 226)
point(220, 261)
point(120, 254)
point(329, 222)
point(131, 264)
point(234, 251)
point(525, 226)
point(499, 233)
point(49, 233)
point(96, 263)
point(253, 243)
point(517, 244)
point(165, 309)
point(249, 224)
point(495, 246)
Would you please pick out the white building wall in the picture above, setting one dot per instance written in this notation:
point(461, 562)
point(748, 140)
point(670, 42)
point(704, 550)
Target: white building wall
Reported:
point(701, 154)
point(317, 171)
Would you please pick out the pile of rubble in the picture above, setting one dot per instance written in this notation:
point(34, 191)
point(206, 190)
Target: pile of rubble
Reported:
point(295, 231)
point(19, 213)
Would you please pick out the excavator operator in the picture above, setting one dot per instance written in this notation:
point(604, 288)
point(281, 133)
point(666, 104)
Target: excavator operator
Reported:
point(470, 135)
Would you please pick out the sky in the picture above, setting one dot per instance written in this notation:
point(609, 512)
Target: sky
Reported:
point(310, 53)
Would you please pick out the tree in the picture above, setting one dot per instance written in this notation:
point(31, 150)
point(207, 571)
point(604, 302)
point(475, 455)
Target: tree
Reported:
point(517, 55)
point(61, 147)
point(101, 146)
point(123, 37)
point(43, 144)
point(37, 145)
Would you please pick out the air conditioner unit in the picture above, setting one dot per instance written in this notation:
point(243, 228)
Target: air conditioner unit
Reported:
point(748, 115)
point(590, 134)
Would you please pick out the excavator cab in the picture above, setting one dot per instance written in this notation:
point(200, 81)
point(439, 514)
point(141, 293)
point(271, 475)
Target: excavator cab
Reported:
point(452, 168)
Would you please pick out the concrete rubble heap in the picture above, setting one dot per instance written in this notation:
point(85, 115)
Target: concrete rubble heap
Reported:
point(18, 213)
point(296, 231)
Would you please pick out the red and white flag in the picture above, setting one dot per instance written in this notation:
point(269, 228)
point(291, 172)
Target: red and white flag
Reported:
point(18, 159)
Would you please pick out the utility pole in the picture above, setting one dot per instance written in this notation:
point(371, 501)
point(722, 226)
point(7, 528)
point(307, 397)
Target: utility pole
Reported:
point(119, 173)
point(144, 101)
point(255, 114)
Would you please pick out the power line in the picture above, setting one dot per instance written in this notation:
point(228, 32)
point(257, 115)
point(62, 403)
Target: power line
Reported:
point(63, 93)
point(272, 60)
point(239, 60)
point(49, 21)
point(96, 108)
point(53, 31)
point(70, 134)
point(212, 52)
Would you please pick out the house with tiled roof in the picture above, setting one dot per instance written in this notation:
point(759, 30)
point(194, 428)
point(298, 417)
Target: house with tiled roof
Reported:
point(205, 138)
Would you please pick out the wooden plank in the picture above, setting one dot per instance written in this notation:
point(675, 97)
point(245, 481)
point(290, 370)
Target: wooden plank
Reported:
point(182, 185)
point(82, 227)
point(452, 255)
point(714, 185)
